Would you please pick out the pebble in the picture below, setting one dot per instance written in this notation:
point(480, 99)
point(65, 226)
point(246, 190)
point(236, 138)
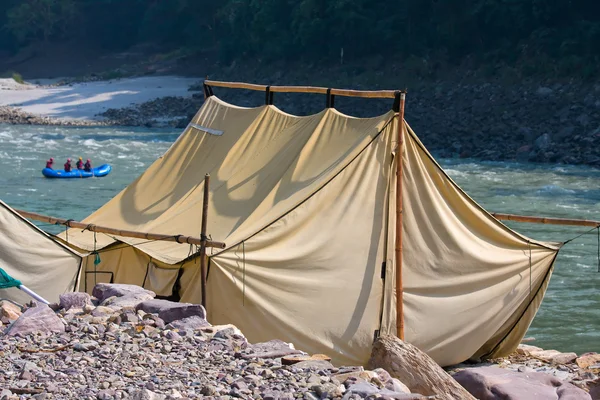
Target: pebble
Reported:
point(133, 357)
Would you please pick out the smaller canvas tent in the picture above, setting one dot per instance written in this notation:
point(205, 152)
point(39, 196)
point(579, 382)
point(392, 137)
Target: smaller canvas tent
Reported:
point(36, 259)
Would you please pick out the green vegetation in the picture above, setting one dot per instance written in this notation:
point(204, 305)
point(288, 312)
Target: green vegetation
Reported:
point(17, 77)
point(559, 37)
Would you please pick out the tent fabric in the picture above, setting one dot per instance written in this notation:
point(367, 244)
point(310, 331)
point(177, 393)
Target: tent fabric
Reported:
point(34, 259)
point(306, 206)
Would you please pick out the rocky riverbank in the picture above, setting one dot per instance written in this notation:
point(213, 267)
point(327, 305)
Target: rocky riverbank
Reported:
point(134, 346)
point(16, 116)
point(123, 343)
point(530, 122)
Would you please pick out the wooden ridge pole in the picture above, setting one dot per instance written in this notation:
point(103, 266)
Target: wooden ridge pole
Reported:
point(204, 238)
point(372, 94)
point(399, 284)
point(111, 231)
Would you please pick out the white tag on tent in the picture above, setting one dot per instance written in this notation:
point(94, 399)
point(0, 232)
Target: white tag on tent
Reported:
point(207, 130)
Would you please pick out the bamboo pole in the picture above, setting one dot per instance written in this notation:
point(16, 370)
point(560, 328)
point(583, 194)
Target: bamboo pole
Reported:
point(399, 284)
point(119, 232)
point(372, 94)
point(546, 220)
point(203, 237)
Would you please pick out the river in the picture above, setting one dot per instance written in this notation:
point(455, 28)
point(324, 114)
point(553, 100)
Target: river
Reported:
point(568, 320)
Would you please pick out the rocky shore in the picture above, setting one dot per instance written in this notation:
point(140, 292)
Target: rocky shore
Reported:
point(135, 346)
point(557, 123)
point(123, 343)
point(529, 122)
point(16, 116)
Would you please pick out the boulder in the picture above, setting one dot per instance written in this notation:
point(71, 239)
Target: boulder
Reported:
point(494, 383)
point(102, 311)
point(146, 394)
point(415, 369)
point(588, 360)
point(289, 360)
point(526, 350)
point(543, 142)
point(211, 331)
point(39, 319)
point(118, 295)
point(194, 322)
point(365, 390)
point(9, 310)
point(271, 349)
point(74, 300)
point(549, 356)
point(555, 357)
point(157, 305)
point(181, 311)
point(103, 291)
point(314, 365)
point(170, 311)
point(595, 390)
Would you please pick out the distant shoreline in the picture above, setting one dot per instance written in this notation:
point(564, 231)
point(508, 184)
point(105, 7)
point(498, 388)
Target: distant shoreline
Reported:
point(556, 123)
point(82, 104)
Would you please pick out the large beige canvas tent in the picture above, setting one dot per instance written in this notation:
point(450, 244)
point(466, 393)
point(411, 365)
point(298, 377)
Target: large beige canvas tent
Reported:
point(38, 260)
point(306, 206)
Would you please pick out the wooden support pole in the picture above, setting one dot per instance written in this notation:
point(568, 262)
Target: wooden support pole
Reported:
point(546, 220)
point(111, 231)
point(372, 94)
point(204, 238)
point(399, 284)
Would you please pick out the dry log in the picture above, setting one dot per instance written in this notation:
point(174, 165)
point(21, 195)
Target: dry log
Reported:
point(415, 369)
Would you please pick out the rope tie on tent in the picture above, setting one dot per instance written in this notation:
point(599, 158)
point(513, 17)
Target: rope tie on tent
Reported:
point(597, 229)
point(67, 229)
point(268, 96)
point(207, 90)
point(244, 273)
point(580, 235)
point(147, 272)
point(330, 99)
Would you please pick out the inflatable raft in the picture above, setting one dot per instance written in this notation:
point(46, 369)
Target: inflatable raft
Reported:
point(102, 170)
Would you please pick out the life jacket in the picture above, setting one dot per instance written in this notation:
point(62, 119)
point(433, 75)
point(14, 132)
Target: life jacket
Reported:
point(87, 166)
point(49, 164)
point(67, 167)
point(79, 164)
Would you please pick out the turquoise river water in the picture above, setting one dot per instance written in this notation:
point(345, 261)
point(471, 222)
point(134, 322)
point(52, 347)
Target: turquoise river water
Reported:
point(569, 319)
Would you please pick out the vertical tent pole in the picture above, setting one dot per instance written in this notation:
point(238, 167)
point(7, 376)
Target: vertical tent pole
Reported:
point(399, 286)
point(203, 238)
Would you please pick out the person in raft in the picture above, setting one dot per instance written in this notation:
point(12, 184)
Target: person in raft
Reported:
point(88, 166)
point(49, 163)
point(79, 163)
point(68, 166)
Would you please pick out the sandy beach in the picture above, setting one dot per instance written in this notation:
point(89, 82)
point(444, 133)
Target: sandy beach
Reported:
point(84, 101)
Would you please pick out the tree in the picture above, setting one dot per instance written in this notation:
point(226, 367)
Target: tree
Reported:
point(41, 19)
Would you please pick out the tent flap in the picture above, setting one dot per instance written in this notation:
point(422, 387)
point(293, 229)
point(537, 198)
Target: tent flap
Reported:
point(34, 259)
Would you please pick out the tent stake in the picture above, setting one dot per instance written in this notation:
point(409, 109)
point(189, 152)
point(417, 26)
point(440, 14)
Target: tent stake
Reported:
point(399, 285)
point(203, 238)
